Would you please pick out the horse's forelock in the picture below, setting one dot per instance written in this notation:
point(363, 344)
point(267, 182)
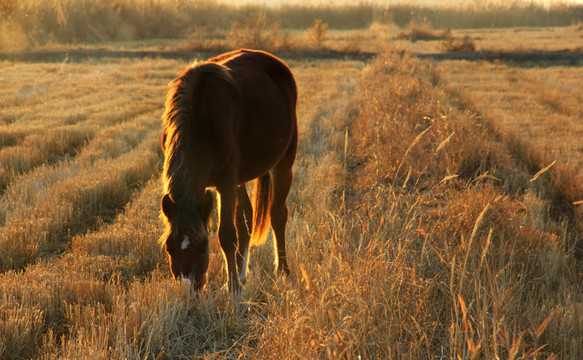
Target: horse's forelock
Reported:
point(189, 221)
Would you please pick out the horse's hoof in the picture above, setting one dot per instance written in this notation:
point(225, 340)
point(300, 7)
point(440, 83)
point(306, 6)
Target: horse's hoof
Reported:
point(235, 286)
point(283, 270)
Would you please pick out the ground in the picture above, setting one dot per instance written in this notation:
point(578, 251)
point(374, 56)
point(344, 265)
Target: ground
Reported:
point(424, 219)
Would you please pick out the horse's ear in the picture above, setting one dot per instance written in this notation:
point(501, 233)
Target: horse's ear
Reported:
point(207, 206)
point(163, 140)
point(168, 206)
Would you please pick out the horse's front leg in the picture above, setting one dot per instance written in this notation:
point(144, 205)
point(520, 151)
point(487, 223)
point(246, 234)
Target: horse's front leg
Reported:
point(228, 237)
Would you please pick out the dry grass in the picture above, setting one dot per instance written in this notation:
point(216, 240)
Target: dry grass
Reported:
point(542, 40)
point(538, 105)
point(466, 44)
point(317, 33)
point(256, 32)
point(449, 42)
point(58, 166)
point(469, 230)
point(415, 229)
point(96, 219)
point(424, 32)
point(483, 15)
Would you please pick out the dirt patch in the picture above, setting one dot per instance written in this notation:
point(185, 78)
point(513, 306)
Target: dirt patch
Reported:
point(84, 55)
point(537, 58)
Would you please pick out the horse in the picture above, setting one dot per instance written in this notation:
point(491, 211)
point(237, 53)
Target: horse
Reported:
point(227, 121)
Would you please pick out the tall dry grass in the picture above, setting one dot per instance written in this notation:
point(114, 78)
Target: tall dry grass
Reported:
point(317, 33)
point(477, 15)
point(29, 23)
point(534, 108)
point(489, 258)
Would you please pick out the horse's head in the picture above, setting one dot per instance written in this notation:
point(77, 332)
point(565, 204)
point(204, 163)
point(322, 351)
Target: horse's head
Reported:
point(186, 238)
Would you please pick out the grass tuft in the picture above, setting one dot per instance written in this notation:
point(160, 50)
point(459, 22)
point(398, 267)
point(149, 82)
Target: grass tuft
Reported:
point(466, 44)
point(317, 34)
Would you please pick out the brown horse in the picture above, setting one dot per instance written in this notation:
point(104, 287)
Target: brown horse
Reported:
point(227, 121)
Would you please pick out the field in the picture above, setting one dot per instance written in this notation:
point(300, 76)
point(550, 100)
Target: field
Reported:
point(435, 211)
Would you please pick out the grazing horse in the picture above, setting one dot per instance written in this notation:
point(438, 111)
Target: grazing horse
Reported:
point(227, 121)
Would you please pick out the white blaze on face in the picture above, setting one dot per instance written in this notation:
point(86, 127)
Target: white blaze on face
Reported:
point(185, 243)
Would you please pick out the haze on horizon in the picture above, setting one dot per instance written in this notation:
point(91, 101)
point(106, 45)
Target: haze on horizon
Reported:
point(392, 2)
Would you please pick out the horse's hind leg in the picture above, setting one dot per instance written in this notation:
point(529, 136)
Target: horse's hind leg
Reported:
point(228, 235)
point(243, 221)
point(282, 180)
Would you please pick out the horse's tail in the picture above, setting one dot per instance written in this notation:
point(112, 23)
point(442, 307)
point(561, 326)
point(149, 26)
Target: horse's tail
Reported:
point(262, 198)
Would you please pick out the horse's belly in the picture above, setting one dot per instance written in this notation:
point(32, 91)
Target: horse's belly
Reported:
point(259, 154)
point(254, 164)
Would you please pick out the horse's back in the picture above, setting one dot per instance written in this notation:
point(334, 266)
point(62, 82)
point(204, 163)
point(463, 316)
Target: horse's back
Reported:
point(254, 68)
point(267, 125)
point(239, 110)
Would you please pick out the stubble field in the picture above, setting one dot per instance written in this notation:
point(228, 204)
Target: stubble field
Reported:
point(424, 219)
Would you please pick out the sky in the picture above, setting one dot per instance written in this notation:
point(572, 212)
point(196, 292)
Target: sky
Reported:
point(384, 2)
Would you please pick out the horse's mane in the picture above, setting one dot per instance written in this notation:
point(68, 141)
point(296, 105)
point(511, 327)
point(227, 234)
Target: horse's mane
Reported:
point(179, 122)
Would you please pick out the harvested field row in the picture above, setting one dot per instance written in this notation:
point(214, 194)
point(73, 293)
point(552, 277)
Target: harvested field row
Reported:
point(541, 107)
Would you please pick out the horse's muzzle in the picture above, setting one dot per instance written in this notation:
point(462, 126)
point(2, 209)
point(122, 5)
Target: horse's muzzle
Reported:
point(197, 282)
